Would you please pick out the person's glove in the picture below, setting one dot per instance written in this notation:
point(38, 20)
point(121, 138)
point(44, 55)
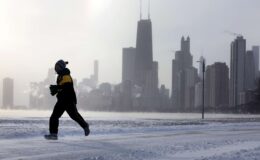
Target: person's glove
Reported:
point(53, 89)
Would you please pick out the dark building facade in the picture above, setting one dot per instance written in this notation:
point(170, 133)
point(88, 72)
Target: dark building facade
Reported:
point(250, 77)
point(216, 86)
point(255, 50)
point(237, 70)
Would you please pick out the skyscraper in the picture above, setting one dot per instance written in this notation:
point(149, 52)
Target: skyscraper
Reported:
point(128, 64)
point(250, 77)
point(151, 84)
point(191, 77)
point(198, 95)
point(237, 69)
point(184, 56)
point(128, 77)
point(217, 82)
point(175, 83)
point(138, 65)
point(144, 51)
point(255, 50)
point(8, 93)
point(146, 70)
point(184, 78)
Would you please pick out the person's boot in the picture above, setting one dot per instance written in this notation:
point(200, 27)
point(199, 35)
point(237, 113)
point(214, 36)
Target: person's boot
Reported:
point(87, 131)
point(51, 136)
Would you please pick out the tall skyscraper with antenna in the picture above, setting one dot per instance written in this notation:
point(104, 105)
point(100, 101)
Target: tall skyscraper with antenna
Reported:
point(144, 49)
point(145, 69)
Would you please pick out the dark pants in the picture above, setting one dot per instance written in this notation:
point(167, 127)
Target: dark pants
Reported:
point(72, 111)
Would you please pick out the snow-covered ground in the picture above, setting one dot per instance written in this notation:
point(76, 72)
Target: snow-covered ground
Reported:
point(131, 136)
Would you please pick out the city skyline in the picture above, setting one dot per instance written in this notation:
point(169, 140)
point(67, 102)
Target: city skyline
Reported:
point(131, 95)
point(35, 34)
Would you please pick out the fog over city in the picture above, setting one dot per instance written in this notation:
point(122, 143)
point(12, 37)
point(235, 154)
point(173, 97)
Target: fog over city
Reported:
point(130, 79)
point(34, 34)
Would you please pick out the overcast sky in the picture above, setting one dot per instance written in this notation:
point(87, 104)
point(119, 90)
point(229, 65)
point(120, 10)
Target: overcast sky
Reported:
point(34, 34)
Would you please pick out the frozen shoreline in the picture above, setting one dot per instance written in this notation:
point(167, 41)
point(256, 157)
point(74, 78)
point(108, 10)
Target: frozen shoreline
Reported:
point(123, 115)
point(131, 140)
point(131, 137)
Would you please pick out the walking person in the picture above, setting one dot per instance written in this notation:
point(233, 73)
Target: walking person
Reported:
point(66, 101)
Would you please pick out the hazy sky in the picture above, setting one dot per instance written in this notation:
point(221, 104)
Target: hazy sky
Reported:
point(34, 34)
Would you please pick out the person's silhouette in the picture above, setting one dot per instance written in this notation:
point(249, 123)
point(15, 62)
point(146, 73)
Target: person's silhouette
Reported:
point(66, 101)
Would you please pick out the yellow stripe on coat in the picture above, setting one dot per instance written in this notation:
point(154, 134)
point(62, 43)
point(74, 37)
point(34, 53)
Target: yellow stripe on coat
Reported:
point(65, 79)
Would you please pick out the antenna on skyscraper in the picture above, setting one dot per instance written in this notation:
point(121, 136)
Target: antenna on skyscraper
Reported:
point(140, 9)
point(149, 9)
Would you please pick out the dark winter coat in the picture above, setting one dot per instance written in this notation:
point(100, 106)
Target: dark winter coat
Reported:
point(66, 91)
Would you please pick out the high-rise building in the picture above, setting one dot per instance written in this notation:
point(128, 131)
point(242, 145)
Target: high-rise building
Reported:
point(144, 51)
point(150, 94)
point(152, 82)
point(255, 50)
point(198, 95)
point(128, 64)
point(8, 93)
point(237, 69)
point(184, 78)
point(250, 77)
point(145, 69)
point(184, 56)
point(128, 77)
point(140, 68)
point(217, 85)
point(191, 78)
point(181, 91)
point(175, 83)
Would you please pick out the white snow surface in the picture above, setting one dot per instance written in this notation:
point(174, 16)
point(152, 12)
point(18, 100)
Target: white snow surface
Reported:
point(131, 136)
